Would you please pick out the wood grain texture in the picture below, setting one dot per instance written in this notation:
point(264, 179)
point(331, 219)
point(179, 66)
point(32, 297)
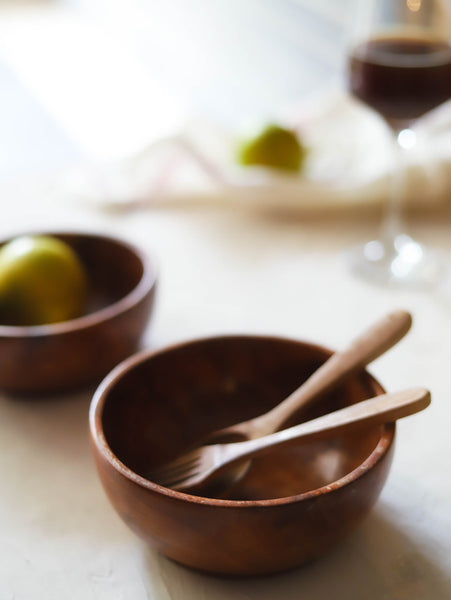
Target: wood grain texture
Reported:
point(71, 354)
point(222, 465)
point(361, 351)
point(290, 508)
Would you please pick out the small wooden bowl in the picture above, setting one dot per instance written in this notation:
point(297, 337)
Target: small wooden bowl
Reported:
point(79, 352)
point(290, 508)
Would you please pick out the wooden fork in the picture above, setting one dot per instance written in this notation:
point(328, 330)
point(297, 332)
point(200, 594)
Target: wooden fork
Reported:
point(214, 464)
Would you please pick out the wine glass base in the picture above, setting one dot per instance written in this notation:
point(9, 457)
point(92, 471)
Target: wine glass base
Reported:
point(401, 262)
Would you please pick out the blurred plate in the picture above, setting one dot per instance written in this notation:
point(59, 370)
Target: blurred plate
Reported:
point(348, 165)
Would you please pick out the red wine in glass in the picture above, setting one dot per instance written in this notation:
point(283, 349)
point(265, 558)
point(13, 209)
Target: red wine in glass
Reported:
point(402, 78)
point(400, 66)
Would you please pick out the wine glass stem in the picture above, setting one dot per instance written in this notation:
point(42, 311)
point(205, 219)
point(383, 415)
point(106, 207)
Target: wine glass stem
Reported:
point(392, 226)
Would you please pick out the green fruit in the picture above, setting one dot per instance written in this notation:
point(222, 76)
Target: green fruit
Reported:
point(273, 147)
point(41, 281)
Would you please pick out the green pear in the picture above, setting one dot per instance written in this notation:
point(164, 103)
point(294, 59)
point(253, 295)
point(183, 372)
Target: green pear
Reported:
point(42, 281)
point(274, 147)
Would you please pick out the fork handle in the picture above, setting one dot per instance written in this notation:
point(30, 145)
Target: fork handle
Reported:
point(375, 411)
point(376, 340)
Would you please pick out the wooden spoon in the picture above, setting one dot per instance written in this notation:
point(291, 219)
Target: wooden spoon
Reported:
point(364, 349)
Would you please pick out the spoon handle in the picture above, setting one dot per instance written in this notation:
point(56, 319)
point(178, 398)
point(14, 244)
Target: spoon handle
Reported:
point(364, 349)
point(375, 411)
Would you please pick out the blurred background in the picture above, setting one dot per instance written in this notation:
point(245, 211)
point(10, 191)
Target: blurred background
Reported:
point(99, 79)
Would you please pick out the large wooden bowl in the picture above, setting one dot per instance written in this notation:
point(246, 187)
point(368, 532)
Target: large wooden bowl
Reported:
point(79, 352)
point(289, 509)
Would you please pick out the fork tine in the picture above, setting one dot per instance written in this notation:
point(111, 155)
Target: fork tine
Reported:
point(191, 469)
point(177, 470)
point(174, 476)
point(182, 480)
point(179, 462)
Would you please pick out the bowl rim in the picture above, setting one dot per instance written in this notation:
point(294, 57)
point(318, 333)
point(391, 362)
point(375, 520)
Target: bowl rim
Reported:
point(98, 438)
point(145, 284)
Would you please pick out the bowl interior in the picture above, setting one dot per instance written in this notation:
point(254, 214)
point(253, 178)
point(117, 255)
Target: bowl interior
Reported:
point(113, 268)
point(168, 401)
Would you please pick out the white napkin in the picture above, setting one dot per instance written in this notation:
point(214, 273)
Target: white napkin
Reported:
point(348, 165)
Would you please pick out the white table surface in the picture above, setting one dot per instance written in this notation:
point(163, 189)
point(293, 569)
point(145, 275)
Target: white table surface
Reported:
point(221, 271)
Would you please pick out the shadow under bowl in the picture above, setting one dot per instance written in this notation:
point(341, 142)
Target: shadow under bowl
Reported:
point(80, 352)
point(290, 508)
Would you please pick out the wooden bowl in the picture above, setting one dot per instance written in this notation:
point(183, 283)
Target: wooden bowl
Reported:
point(79, 352)
point(289, 509)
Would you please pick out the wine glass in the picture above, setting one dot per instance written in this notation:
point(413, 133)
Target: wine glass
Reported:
point(400, 66)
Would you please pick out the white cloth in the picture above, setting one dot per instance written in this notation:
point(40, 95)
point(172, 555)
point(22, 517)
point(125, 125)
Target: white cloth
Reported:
point(348, 165)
